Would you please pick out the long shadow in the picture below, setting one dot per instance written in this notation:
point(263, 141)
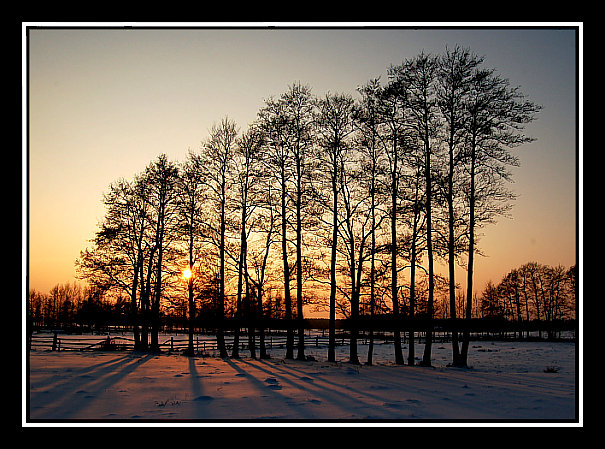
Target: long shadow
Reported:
point(271, 387)
point(311, 388)
point(65, 401)
point(199, 400)
point(80, 371)
point(262, 386)
point(459, 397)
point(343, 391)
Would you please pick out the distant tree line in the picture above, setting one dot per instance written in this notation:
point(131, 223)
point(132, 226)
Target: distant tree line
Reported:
point(532, 292)
point(331, 202)
point(72, 307)
point(529, 295)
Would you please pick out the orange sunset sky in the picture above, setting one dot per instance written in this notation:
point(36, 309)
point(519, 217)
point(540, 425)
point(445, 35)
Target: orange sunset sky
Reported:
point(102, 103)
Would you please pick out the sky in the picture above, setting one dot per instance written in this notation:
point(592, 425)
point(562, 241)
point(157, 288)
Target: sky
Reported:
point(101, 104)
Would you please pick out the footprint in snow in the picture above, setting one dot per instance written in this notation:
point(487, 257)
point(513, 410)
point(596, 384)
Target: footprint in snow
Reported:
point(273, 383)
point(392, 404)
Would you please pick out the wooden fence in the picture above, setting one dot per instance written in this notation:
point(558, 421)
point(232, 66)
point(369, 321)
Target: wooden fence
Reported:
point(58, 342)
point(66, 342)
point(203, 342)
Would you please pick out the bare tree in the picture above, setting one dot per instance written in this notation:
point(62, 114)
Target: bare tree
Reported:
point(358, 225)
point(497, 114)
point(217, 166)
point(334, 125)
point(162, 176)
point(190, 201)
point(273, 123)
point(247, 171)
point(415, 218)
point(367, 122)
point(265, 224)
point(419, 75)
point(393, 109)
point(532, 292)
point(299, 105)
point(454, 81)
point(118, 251)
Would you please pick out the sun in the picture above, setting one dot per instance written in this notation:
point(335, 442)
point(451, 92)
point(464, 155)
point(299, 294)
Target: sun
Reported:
point(187, 273)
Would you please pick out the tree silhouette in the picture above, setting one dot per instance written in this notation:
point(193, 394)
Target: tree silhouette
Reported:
point(369, 142)
point(299, 105)
point(454, 82)
point(367, 189)
point(162, 177)
point(497, 114)
point(190, 202)
point(392, 112)
point(217, 166)
point(334, 125)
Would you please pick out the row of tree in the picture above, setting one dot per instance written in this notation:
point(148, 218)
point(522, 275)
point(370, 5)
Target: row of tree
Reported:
point(526, 295)
point(71, 306)
point(352, 200)
point(532, 292)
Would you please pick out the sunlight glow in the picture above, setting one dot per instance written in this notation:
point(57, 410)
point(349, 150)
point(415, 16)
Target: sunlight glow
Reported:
point(187, 273)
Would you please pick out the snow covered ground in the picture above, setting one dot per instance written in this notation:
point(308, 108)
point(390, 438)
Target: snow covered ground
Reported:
point(509, 382)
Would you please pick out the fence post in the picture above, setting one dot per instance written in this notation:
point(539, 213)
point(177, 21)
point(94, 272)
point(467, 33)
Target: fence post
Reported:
point(54, 341)
point(171, 344)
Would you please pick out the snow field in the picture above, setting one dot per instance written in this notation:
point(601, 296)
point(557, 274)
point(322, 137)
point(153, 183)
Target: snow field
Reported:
point(510, 381)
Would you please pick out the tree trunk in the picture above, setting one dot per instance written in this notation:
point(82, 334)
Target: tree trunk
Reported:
point(471, 254)
point(190, 350)
point(332, 320)
point(287, 298)
point(372, 271)
point(134, 309)
point(353, 358)
point(394, 298)
point(155, 303)
point(412, 339)
point(426, 359)
point(251, 312)
point(299, 277)
point(260, 311)
point(145, 289)
point(450, 249)
point(238, 311)
point(220, 336)
point(261, 330)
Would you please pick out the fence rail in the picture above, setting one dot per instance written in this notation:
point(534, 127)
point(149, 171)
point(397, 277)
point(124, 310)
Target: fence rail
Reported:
point(60, 342)
point(203, 342)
